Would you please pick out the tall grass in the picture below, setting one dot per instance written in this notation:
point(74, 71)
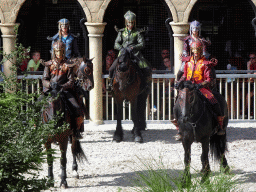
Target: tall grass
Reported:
point(156, 177)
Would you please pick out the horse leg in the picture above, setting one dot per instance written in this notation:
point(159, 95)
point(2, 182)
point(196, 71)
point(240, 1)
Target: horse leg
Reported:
point(74, 165)
point(141, 109)
point(118, 135)
point(205, 160)
point(187, 159)
point(63, 162)
point(137, 132)
point(50, 165)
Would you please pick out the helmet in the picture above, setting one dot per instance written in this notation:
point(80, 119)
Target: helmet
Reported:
point(58, 46)
point(195, 26)
point(196, 47)
point(130, 17)
point(63, 22)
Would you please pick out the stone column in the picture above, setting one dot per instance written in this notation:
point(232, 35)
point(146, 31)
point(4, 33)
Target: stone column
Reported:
point(180, 31)
point(95, 51)
point(9, 36)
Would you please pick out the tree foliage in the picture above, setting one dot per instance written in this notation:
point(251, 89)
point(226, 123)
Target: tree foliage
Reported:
point(22, 134)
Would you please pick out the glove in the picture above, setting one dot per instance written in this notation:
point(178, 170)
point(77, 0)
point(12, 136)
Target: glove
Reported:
point(129, 49)
point(176, 85)
point(198, 86)
point(179, 85)
point(55, 86)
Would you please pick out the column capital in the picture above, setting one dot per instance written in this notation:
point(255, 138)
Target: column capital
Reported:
point(8, 30)
point(179, 29)
point(95, 29)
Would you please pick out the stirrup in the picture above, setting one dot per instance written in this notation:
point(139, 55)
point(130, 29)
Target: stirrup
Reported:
point(175, 122)
point(178, 137)
point(221, 132)
point(79, 136)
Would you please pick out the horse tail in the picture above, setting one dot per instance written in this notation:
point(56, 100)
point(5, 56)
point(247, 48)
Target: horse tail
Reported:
point(218, 146)
point(79, 152)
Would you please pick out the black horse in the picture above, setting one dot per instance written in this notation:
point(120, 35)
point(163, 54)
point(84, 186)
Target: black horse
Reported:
point(198, 123)
point(127, 86)
point(84, 82)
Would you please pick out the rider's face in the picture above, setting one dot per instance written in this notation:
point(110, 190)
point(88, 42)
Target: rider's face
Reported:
point(64, 27)
point(130, 25)
point(195, 31)
point(59, 54)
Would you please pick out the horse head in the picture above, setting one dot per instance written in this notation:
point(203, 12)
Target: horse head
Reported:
point(187, 100)
point(85, 74)
point(123, 69)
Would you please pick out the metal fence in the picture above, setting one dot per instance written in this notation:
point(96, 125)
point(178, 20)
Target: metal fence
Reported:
point(238, 89)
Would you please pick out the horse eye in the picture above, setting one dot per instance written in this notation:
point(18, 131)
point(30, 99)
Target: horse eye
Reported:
point(87, 71)
point(191, 99)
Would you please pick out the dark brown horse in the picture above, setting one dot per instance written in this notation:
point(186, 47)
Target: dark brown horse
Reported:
point(84, 82)
point(127, 86)
point(197, 123)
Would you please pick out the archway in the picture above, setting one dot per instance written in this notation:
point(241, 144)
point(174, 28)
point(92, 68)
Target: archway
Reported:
point(38, 20)
point(151, 14)
point(228, 25)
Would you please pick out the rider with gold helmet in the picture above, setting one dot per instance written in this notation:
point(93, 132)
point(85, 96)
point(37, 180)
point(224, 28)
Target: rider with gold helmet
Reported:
point(132, 39)
point(58, 76)
point(198, 70)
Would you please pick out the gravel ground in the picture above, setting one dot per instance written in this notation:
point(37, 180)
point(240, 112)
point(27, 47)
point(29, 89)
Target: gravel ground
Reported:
point(112, 165)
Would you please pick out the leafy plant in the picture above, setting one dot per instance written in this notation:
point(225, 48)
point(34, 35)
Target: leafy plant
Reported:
point(22, 134)
point(155, 177)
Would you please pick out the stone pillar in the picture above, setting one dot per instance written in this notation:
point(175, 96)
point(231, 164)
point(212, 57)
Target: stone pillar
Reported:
point(9, 36)
point(95, 51)
point(180, 31)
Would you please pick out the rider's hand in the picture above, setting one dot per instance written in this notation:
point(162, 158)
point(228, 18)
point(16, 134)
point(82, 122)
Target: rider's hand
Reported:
point(55, 86)
point(129, 49)
point(198, 86)
point(177, 85)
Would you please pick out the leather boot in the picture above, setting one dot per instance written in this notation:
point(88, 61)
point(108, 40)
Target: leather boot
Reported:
point(79, 121)
point(221, 130)
point(178, 137)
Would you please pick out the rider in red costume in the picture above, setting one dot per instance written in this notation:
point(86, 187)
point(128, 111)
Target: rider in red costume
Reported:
point(198, 70)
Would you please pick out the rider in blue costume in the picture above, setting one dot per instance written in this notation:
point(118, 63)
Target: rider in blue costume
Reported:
point(68, 38)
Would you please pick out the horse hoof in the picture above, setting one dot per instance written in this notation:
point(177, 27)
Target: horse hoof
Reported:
point(75, 175)
point(138, 139)
point(63, 186)
point(117, 138)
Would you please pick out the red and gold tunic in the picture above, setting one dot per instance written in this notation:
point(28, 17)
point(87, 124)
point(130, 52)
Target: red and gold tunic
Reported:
point(200, 72)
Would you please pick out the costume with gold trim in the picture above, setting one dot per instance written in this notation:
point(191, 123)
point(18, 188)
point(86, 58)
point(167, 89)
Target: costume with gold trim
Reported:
point(200, 73)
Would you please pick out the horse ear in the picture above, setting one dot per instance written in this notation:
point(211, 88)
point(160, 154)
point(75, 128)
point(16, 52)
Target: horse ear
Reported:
point(91, 59)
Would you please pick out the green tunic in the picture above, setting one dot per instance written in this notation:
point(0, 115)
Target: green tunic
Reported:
point(135, 39)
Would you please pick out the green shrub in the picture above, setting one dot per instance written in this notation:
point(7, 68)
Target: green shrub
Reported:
point(155, 177)
point(22, 135)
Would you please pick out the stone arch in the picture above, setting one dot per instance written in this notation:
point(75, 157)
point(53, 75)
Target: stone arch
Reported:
point(86, 10)
point(1, 16)
point(172, 10)
point(188, 10)
point(105, 4)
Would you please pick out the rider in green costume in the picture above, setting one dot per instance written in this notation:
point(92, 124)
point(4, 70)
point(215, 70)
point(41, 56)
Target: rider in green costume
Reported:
point(131, 38)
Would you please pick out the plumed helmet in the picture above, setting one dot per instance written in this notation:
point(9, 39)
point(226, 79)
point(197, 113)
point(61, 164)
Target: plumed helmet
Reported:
point(63, 21)
point(195, 25)
point(130, 16)
point(58, 46)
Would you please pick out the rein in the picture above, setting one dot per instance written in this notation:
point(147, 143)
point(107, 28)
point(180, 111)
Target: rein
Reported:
point(195, 123)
